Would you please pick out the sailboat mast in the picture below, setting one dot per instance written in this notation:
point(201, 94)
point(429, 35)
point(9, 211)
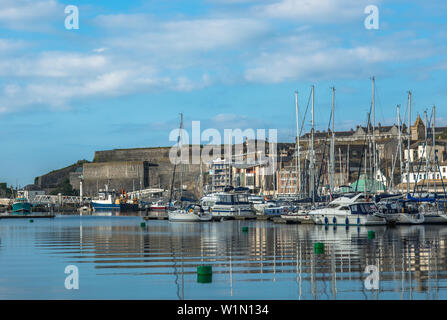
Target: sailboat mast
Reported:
point(409, 141)
point(434, 147)
point(181, 156)
point(400, 140)
point(175, 164)
point(201, 180)
point(374, 130)
point(312, 164)
point(332, 175)
point(297, 149)
point(426, 149)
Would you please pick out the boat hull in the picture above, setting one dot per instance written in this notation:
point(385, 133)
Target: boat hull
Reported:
point(347, 219)
point(21, 208)
point(158, 208)
point(404, 218)
point(303, 218)
point(222, 211)
point(182, 216)
point(122, 207)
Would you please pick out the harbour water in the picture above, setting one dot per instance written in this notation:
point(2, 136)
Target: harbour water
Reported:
point(118, 258)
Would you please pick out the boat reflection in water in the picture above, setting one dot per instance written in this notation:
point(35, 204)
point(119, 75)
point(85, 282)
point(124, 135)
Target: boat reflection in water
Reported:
point(120, 259)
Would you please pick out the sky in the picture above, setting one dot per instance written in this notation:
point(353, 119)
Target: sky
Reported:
point(121, 79)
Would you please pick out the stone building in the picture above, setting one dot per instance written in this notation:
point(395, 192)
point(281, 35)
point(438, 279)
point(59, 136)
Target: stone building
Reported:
point(118, 175)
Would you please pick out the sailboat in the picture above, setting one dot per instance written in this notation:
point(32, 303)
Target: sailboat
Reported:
point(193, 213)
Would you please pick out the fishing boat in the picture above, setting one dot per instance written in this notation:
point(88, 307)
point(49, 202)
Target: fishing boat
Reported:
point(348, 211)
point(190, 214)
point(21, 205)
point(108, 201)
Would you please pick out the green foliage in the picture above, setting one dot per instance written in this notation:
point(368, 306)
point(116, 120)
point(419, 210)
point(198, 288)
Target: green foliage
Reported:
point(442, 135)
point(65, 189)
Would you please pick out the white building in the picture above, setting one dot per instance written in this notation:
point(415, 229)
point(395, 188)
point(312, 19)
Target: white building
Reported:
point(31, 191)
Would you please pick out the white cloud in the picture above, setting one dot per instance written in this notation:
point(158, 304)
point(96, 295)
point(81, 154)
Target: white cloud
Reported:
point(322, 11)
point(99, 50)
point(312, 57)
point(8, 46)
point(51, 64)
point(30, 15)
point(56, 79)
point(186, 36)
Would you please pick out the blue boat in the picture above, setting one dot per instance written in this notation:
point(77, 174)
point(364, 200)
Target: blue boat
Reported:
point(21, 206)
point(108, 201)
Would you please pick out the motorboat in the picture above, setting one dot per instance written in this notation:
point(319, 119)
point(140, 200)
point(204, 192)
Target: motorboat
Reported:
point(258, 204)
point(275, 209)
point(401, 211)
point(227, 204)
point(158, 206)
point(301, 215)
point(432, 213)
point(190, 214)
point(356, 210)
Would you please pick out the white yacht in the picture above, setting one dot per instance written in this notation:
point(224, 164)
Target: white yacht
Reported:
point(190, 214)
point(432, 213)
point(348, 211)
point(227, 204)
point(258, 204)
point(301, 215)
point(275, 209)
point(404, 212)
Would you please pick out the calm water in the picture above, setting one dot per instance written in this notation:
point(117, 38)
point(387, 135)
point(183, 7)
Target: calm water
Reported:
point(118, 259)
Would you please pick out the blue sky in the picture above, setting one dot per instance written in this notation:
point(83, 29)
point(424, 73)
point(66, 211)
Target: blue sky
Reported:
point(122, 79)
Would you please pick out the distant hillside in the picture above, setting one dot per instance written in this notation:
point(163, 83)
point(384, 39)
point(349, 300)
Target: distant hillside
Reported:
point(56, 178)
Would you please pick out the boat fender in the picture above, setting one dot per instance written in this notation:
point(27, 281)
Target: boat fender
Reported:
point(326, 220)
point(334, 220)
point(347, 221)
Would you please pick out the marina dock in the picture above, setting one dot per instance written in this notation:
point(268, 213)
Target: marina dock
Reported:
point(16, 216)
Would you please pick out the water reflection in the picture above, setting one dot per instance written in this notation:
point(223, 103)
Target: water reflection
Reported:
point(267, 262)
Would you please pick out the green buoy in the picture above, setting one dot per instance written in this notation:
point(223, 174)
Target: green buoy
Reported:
point(208, 270)
point(204, 278)
point(143, 224)
point(319, 247)
point(31, 220)
point(371, 234)
point(204, 274)
point(244, 229)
